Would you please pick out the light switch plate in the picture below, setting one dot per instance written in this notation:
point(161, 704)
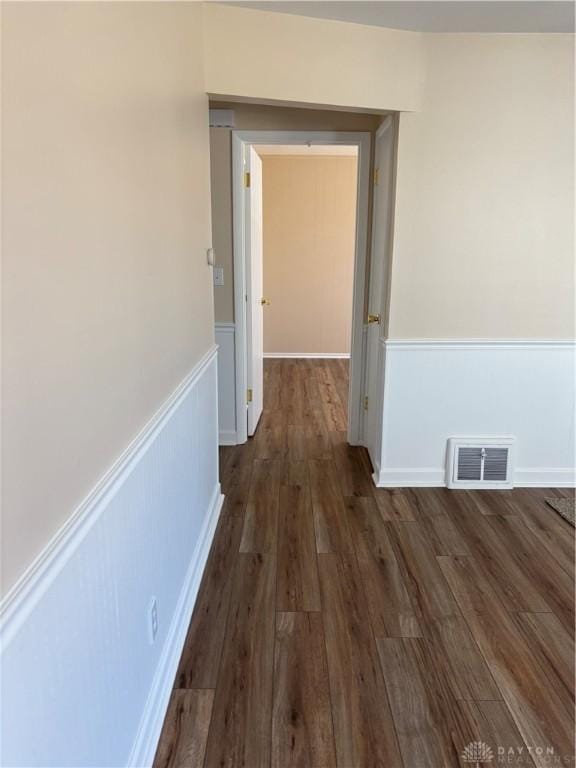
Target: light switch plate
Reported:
point(218, 275)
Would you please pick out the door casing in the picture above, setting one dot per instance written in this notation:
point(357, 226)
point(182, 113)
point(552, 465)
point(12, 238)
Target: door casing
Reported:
point(254, 292)
point(241, 143)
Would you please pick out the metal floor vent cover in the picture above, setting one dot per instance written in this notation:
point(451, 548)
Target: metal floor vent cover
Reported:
point(480, 462)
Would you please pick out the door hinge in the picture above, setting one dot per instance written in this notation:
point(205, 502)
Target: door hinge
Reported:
point(376, 170)
point(247, 178)
point(365, 402)
point(373, 319)
point(249, 396)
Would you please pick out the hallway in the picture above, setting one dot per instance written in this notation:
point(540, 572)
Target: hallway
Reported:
point(340, 624)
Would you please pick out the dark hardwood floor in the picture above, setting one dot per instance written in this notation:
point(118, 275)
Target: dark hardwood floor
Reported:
point(343, 625)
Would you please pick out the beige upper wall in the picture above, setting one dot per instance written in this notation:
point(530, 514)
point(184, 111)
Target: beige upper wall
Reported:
point(309, 236)
point(256, 54)
point(484, 244)
point(106, 294)
point(257, 118)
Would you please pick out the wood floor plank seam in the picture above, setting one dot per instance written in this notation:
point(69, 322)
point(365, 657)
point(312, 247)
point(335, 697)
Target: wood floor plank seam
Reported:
point(198, 667)
point(547, 669)
point(386, 688)
point(522, 685)
point(445, 628)
point(212, 713)
point(273, 619)
point(472, 636)
point(324, 629)
point(377, 725)
point(480, 650)
point(329, 686)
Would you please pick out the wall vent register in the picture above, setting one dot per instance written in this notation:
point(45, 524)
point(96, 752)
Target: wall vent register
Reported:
point(480, 462)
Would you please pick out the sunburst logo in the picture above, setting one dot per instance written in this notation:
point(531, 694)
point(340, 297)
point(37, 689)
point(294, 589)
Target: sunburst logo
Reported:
point(477, 752)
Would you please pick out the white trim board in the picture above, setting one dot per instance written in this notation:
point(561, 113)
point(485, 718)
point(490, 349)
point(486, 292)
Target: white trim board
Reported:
point(144, 531)
point(221, 327)
point(226, 437)
point(415, 345)
point(309, 355)
point(542, 477)
point(225, 334)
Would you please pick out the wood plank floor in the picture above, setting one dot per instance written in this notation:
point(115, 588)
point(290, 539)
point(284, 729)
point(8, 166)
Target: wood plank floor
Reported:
point(342, 625)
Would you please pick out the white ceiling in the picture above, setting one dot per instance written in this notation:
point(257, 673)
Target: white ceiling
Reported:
point(306, 150)
point(436, 15)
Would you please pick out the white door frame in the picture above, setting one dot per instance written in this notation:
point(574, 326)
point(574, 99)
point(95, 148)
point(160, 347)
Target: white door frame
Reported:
point(379, 287)
point(241, 140)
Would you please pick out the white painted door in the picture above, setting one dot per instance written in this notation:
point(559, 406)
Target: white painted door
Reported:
point(254, 307)
point(377, 305)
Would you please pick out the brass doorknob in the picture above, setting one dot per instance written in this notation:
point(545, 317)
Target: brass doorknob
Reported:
point(265, 302)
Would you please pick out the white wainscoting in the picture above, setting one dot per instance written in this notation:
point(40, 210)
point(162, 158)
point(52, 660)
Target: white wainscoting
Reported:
point(436, 389)
point(226, 340)
point(82, 683)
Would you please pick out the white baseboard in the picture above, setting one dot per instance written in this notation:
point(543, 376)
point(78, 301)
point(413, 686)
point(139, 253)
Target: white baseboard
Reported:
point(409, 478)
point(227, 437)
point(150, 729)
point(309, 355)
point(545, 478)
point(436, 478)
point(77, 658)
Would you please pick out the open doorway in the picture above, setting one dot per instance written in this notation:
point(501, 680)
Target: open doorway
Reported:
point(302, 247)
point(309, 230)
point(250, 297)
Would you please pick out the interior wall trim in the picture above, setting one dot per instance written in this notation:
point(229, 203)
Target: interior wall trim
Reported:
point(227, 327)
point(415, 345)
point(541, 477)
point(228, 415)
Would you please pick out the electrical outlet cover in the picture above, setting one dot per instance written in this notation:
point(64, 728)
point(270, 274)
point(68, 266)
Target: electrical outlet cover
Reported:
point(153, 620)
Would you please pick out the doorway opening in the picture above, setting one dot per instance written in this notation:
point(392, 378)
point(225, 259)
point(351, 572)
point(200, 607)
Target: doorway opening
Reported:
point(309, 227)
point(248, 238)
point(302, 243)
point(309, 230)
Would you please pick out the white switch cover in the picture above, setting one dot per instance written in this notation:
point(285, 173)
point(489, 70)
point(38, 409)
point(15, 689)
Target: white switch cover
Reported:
point(218, 275)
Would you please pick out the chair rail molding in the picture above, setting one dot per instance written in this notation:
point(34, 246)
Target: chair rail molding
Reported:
point(407, 345)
